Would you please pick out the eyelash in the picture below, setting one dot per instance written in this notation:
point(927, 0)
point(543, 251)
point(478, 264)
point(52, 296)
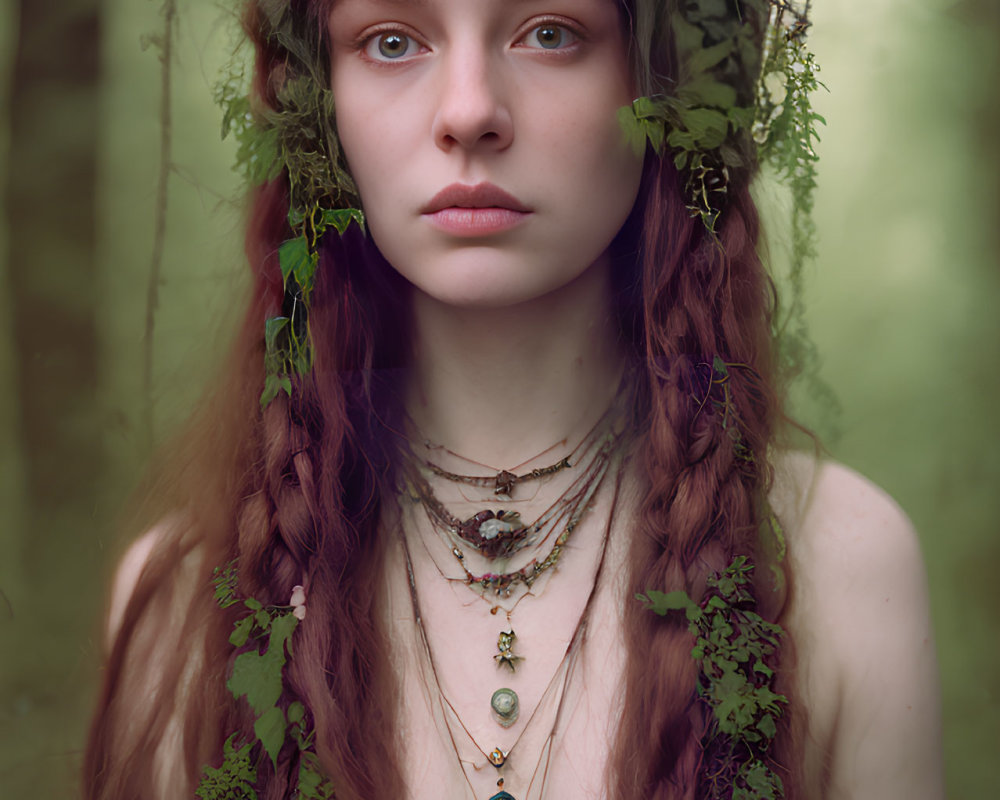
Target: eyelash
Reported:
point(371, 38)
point(574, 34)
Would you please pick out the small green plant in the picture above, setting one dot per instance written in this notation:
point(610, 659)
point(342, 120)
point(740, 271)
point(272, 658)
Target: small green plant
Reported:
point(266, 632)
point(733, 645)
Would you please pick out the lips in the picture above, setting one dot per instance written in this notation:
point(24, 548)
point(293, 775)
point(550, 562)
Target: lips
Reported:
point(481, 195)
point(482, 210)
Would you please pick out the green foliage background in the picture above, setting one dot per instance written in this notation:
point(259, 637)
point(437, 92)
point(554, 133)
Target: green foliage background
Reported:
point(902, 304)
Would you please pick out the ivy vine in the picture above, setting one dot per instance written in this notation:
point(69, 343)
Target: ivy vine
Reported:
point(735, 648)
point(266, 633)
point(296, 138)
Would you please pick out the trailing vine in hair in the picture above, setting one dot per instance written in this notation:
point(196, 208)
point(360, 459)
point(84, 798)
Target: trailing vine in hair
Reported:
point(699, 125)
point(312, 704)
point(735, 648)
point(297, 137)
point(265, 635)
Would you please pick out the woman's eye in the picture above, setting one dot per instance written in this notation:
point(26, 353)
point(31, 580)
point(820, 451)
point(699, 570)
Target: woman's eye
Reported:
point(390, 46)
point(549, 36)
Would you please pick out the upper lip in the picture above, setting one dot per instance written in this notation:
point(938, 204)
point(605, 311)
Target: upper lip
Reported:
point(480, 195)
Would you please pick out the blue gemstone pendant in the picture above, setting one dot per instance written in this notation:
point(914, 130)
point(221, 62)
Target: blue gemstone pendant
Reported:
point(502, 796)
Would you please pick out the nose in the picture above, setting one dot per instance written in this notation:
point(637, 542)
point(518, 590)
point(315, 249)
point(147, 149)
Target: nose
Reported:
point(473, 113)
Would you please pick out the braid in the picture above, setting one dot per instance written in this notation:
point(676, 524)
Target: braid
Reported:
point(704, 299)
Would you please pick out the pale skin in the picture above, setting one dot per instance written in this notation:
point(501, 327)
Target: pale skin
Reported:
point(515, 349)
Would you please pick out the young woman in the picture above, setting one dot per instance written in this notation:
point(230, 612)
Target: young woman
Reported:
point(538, 387)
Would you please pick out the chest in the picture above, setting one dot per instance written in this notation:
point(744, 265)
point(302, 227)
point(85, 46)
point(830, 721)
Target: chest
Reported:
point(569, 658)
point(558, 649)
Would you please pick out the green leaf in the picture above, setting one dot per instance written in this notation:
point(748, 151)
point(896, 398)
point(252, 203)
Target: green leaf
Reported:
point(294, 257)
point(305, 271)
point(662, 603)
point(707, 127)
point(241, 631)
point(706, 91)
point(296, 712)
point(252, 604)
point(273, 327)
point(272, 385)
point(270, 730)
point(281, 631)
point(341, 218)
point(258, 678)
point(767, 727)
point(225, 579)
point(707, 57)
point(762, 668)
point(312, 785)
point(233, 779)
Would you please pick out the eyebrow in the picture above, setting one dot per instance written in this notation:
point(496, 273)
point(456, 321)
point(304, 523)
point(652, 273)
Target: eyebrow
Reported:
point(417, 3)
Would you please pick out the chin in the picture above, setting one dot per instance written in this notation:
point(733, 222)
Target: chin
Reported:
point(484, 295)
point(486, 282)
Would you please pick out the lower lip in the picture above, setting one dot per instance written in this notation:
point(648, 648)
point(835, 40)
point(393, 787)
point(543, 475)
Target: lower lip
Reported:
point(476, 221)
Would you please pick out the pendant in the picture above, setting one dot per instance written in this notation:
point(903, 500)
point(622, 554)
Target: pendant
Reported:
point(505, 483)
point(493, 533)
point(506, 706)
point(505, 644)
point(501, 795)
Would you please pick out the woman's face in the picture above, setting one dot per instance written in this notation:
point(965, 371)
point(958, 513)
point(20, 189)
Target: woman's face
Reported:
point(484, 139)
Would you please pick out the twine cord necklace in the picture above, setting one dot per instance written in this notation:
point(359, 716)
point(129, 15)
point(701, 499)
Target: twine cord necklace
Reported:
point(565, 513)
point(505, 479)
point(498, 535)
point(498, 757)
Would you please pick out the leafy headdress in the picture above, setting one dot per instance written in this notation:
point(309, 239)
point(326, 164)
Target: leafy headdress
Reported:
point(737, 95)
point(741, 73)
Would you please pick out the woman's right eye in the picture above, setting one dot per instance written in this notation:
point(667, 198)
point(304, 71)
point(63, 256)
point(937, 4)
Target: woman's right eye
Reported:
point(390, 46)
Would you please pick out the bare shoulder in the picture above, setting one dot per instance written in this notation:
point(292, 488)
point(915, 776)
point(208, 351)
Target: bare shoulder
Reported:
point(860, 618)
point(848, 535)
point(127, 576)
point(164, 543)
point(159, 653)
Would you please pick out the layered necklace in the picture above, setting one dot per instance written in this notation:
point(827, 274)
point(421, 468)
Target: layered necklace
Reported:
point(499, 535)
point(504, 702)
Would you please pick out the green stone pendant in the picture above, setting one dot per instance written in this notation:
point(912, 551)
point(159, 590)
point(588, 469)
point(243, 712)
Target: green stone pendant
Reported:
point(505, 706)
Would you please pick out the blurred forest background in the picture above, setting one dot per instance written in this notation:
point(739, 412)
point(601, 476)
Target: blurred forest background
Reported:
point(902, 303)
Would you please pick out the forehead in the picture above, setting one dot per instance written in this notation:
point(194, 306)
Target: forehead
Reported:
point(443, 4)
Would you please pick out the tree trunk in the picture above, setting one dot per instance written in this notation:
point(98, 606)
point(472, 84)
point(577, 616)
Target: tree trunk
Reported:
point(52, 382)
point(51, 188)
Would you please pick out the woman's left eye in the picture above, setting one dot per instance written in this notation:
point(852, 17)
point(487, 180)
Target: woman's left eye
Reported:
point(390, 46)
point(549, 36)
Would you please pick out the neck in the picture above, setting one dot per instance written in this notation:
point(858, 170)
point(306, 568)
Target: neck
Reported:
point(499, 385)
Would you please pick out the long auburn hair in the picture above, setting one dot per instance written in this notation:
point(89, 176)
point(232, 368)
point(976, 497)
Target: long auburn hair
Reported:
point(295, 493)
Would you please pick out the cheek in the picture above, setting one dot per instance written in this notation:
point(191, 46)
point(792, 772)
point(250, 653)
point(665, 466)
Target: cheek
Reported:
point(602, 171)
point(361, 139)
